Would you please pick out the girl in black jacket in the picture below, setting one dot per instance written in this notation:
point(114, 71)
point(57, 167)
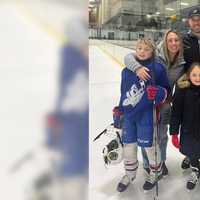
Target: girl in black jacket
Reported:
point(186, 120)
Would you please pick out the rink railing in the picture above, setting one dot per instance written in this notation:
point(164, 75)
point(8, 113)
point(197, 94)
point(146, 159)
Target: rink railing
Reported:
point(114, 48)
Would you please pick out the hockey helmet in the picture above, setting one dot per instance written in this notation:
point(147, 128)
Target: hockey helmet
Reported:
point(113, 151)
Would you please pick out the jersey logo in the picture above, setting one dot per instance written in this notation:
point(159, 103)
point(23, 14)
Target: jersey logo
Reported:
point(134, 95)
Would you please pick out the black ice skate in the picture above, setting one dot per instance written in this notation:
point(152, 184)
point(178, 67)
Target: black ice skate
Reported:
point(147, 171)
point(164, 170)
point(194, 178)
point(152, 180)
point(123, 184)
point(149, 183)
point(185, 163)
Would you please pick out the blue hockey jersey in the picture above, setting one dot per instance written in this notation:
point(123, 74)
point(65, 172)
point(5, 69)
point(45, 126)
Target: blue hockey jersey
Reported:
point(137, 108)
point(133, 98)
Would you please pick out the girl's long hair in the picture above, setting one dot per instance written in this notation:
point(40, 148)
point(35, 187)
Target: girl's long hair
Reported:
point(195, 64)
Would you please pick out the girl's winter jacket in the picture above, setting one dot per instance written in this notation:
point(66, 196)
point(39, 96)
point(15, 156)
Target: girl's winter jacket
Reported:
point(186, 118)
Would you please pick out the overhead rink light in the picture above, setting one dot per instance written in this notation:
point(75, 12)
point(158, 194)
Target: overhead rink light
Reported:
point(184, 4)
point(170, 9)
point(149, 16)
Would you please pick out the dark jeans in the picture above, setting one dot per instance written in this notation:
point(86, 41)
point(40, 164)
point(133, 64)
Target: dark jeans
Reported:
point(194, 162)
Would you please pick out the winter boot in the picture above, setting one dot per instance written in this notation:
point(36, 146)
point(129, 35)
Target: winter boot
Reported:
point(185, 163)
point(194, 178)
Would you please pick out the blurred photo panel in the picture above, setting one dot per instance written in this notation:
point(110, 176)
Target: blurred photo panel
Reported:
point(44, 99)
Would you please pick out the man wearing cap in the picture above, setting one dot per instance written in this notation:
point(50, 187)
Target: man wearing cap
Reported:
point(192, 39)
point(191, 44)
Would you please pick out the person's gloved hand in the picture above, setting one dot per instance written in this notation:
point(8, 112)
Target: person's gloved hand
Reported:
point(117, 117)
point(151, 92)
point(175, 141)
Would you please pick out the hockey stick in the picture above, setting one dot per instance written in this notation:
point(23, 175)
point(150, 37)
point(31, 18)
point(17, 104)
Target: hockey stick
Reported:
point(20, 162)
point(155, 132)
point(155, 135)
point(100, 134)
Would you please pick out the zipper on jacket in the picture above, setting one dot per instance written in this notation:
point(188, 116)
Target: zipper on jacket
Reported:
point(199, 46)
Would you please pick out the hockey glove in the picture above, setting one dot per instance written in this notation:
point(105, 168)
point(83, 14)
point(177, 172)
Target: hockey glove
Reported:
point(151, 92)
point(117, 117)
point(175, 141)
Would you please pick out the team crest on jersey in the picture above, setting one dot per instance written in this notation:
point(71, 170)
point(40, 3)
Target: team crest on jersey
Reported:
point(134, 95)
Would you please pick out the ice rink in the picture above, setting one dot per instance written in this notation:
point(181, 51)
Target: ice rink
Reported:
point(31, 38)
point(104, 95)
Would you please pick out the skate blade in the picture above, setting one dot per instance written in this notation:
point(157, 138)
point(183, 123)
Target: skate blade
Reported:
point(191, 190)
point(147, 191)
point(164, 176)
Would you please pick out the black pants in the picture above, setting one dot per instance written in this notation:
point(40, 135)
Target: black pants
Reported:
point(194, 162)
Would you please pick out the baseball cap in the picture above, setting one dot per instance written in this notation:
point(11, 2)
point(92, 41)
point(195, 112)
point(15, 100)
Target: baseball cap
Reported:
point(194, 12)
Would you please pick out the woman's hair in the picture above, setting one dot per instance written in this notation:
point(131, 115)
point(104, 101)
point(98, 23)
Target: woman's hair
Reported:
point(149, 42)
point(166, 51)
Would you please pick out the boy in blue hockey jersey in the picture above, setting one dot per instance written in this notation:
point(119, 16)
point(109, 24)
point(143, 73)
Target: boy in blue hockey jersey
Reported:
point(137, 102)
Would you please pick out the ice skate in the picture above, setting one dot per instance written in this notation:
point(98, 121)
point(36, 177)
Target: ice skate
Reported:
point(124, 183)
point(194, 179)
point(185, 163)
point(164, 170)
point(149, 183)
point(151, 180)
point(147, 171)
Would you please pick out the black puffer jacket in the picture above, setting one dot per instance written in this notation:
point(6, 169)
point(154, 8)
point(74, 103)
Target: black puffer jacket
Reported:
point(191, 52)
point(186, 116)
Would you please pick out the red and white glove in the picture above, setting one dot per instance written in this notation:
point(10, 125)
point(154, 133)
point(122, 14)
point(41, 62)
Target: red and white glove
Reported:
point(175, 141)
point(151, 92)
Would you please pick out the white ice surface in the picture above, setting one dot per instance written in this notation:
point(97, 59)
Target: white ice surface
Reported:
point(104, 94)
